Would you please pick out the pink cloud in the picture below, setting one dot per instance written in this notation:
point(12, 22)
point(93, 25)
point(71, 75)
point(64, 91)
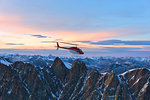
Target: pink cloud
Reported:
point(12, 24)
point(78, 36)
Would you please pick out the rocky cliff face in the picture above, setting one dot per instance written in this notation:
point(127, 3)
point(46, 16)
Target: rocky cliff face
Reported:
point(24, 81)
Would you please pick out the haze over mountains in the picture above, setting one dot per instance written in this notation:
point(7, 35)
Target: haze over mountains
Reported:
point(60, 80)
point(102, 64)
point(88, 52)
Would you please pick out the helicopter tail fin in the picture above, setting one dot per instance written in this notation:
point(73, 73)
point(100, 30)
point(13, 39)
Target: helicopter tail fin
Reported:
point(57, 46)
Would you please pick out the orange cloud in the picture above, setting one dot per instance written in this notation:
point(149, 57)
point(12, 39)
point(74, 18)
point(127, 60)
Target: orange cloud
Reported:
point(1, 44)
point(13, 26)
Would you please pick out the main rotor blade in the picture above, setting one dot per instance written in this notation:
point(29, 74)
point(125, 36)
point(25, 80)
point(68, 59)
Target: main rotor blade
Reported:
point(69, 43)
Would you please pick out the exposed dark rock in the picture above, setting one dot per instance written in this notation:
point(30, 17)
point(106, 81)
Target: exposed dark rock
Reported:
point(24, 81)
point(90, 85)
point(77, 70)
point(135, 80)
point(59, 69)
point(145, 91)
point(76, 75)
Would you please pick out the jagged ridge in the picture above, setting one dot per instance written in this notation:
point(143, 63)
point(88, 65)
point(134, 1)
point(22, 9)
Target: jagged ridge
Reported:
point(24, 81)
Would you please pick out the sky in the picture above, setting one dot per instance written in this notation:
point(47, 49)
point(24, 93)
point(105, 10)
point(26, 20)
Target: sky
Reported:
point(99, 27)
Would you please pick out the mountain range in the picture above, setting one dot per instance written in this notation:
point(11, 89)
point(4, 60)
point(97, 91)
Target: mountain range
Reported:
point(22, 80)
point(102, 64)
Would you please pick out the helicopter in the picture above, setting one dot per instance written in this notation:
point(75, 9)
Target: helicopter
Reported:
point(74, 50)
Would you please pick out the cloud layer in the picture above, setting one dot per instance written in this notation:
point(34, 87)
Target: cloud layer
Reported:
point(39, 36)
point(14, 44)
point(76, 20)
point(117, 42)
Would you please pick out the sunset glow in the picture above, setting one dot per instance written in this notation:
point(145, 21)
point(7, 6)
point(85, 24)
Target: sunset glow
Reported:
point(91, 24)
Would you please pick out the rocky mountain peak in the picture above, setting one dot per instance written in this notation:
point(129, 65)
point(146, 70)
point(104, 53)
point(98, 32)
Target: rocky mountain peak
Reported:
point(59, 69)
point(136, 80)
point(77, 70)
point(78, 66)
point(140, 72)
point(24, 81)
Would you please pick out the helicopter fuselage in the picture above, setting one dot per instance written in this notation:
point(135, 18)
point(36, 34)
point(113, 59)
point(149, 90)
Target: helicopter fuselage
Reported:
point(75, 50)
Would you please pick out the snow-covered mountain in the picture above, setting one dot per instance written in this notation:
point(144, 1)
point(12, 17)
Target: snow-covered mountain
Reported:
point(102, 64)
point(24, 81)
point(5, 61)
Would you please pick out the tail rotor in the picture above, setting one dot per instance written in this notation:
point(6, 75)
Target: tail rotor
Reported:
point(57, 46)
